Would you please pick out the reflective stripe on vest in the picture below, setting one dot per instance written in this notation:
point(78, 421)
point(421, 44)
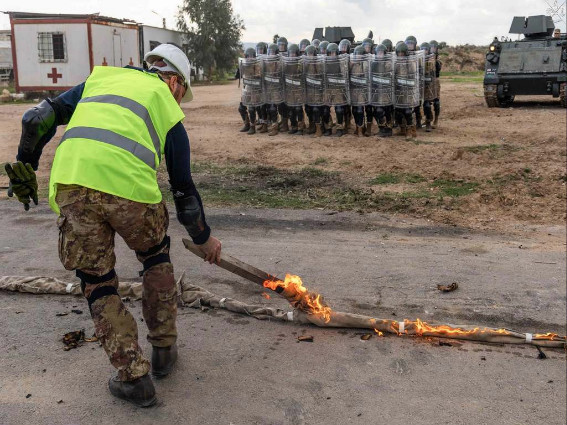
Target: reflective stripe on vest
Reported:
point(135, 107)
point(114, 139)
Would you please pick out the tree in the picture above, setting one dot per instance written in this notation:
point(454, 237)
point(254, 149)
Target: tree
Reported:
point(213, 34)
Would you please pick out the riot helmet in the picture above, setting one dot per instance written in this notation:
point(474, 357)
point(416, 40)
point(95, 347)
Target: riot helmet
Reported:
point(261, 48)
point(323, 47)
point(359, 51)
point(433, 47)
point(311, 50)
point(344, 46)
point(380, 50)
point(272, 49)
point(402, 49)
point(411, 42)
point(282, 44)
point(293, 50)
point(315, 42)
point(397, 44)
point(367, 44)
point(388, 43)
point(332, 49)
point(425, 47)
point(302, 45)
point(250, 53)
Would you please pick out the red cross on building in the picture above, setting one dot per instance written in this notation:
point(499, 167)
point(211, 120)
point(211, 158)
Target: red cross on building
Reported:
point(54, 75)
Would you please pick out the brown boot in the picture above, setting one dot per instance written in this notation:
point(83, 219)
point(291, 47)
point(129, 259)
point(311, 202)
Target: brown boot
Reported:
point(368, 131)
point(263, 128)
point(412, 133)
point(246, 125)
point(318, 130)
point(273, 129)
point(252, 129)
point(428, 126)
point(359, 132)
point(284, 127)
point(300, 128)
point(435, 121)
point(140, 392)
point(402, 130)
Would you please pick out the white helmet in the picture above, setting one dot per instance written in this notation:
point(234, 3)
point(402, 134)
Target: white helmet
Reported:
point(177, 62)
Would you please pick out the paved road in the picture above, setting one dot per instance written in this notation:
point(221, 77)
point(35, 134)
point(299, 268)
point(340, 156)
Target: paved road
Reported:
point(238, 370)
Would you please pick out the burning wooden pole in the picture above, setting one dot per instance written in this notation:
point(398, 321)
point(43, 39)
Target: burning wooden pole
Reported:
point(310, 308)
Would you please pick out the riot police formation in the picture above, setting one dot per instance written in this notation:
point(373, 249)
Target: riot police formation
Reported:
point(293, 87)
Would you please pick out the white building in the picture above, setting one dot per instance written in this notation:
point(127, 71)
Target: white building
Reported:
point(57, 52)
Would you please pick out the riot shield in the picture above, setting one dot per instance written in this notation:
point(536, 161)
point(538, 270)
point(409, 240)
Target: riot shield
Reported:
point(294, 92)
point(359, 68)
point(313, 75)
point(421, 72)
point(251, 73)
point(337, 91)
point(430, 79)
point(406, 82)
point(272, 79)
point(382, 87)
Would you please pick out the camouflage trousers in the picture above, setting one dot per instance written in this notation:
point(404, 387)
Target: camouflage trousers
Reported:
point(88, 223)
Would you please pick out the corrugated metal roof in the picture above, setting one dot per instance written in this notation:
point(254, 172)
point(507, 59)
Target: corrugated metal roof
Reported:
point(92, 16)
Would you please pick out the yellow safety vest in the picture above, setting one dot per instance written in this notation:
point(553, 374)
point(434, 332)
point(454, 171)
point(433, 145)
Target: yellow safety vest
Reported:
point(115, 139)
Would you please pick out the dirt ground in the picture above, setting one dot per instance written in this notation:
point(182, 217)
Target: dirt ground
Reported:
point(511, 161)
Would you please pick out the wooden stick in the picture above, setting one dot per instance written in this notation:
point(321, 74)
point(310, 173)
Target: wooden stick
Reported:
point(233, 265)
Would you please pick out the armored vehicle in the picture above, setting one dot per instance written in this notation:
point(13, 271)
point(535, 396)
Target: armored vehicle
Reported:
point(534, 65)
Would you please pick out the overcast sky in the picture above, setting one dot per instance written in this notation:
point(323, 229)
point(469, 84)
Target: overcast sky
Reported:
point(452, 21)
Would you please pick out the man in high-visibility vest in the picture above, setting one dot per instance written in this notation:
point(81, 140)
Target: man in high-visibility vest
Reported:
point(120, 122)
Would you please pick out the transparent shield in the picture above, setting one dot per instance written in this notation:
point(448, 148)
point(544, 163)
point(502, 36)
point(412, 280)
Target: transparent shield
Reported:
point(406, 82)
point(359, 67)
point(382, 84)
point(430, 79)
point(421, 72)
point(337, 91)
point(294, 87)
point(251, 74)
point(313, 76)
point(272, 80)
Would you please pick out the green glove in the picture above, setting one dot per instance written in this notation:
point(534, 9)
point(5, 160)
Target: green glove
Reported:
point(23, 183)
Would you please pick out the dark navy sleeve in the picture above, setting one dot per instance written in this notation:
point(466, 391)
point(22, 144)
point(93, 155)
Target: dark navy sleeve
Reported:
point(64, 105)
point(178, 162)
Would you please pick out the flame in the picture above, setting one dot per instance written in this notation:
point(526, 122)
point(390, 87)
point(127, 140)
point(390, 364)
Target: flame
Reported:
point(378, 332)
point(548, 335)
point(266, 296)
point(423, 327)
point(300, 297)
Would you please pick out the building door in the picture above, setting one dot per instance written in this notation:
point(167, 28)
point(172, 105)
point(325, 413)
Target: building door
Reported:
point(117, 47)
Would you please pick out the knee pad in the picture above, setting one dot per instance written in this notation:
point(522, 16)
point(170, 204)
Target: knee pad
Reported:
point(436, 105)
point(152, 258)
point(91, 279)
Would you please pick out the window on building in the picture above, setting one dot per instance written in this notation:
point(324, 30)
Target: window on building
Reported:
point(51, 47)
point(154, 44)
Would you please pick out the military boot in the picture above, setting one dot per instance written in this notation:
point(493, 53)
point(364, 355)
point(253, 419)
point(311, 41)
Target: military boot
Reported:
point(292, 130)
point(252, 129)
point(418, 122)
point(284, 127)
point(402, 130)
point(163, 359)
point(273, 129)
point(428, 126)
point(263, 128)
point(359, 132)
point(435, 121)
point(368, 131)
point(300, 128)
point(412, 133)
point(140, 392)
point(327, 129)
point(246, 125)
point(318, 130)
point(310, 129)
point(388, 131)
point(340, 130)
